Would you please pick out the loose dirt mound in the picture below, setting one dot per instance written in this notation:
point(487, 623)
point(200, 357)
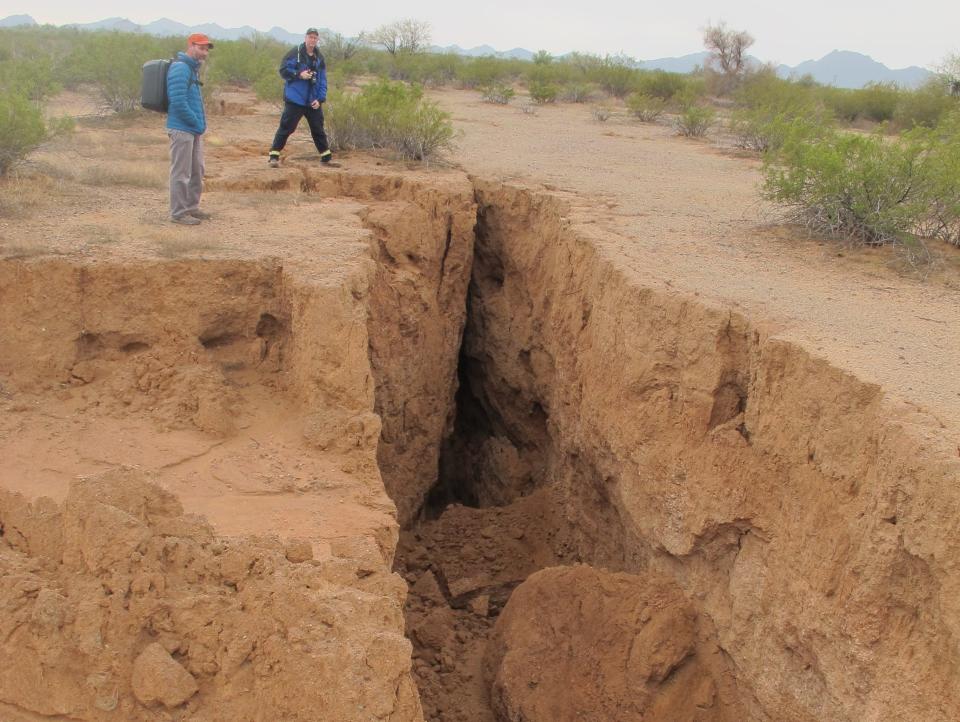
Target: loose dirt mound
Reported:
point(118, 602)
point(577, 643)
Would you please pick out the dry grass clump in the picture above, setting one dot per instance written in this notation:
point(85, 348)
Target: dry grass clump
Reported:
point(23, 194)
point(185, 241)
point(102, 176)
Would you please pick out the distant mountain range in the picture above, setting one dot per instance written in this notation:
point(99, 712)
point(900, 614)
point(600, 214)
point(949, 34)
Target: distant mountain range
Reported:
point(841, 68)
point(165, 27)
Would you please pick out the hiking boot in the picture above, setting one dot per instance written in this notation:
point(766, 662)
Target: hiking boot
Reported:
point(274, 161)
point(326, 156)
point(185, 220)
point(202, 215)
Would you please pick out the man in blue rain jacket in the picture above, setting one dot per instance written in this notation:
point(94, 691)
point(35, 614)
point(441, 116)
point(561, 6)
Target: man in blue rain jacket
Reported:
point(186, 124)
point(305, 73)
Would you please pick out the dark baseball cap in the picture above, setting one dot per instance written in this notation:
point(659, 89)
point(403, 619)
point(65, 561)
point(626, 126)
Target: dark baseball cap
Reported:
point(312, 31)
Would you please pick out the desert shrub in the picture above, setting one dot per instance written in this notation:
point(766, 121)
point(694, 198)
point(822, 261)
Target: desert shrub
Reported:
point(767, 129)
point(31, 78)
point(858, 187)
point(390, 115)
point(645, 108)
point(601, 113)
point(112, 63)
point(876, 102)
point(614, 76)
point(768, 109)
point(21, 129)
point(269, 88)
point(430, 69)
point(542, 93)
point(577, 93)
point(244, 62)
point(486, 71)
point(695, 120)
point(660, 84)
point(842, 103)
point(499, 93)
point(925, 106)
point(941, 178)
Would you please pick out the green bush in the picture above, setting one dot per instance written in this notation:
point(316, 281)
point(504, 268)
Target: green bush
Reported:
point(695, 120)
point(769, 109)
point(879, 101)
point(660, 84)
point(925, 106)
point(849, 185)
point(542, 93)
point(269, 88)
point(21, 129)
point(499, 93)
point(940, 172)
point(112, 63)
point(614, 76)
point(389, 115)
point(577, 93)
point(244, 62)
point(486, 71)
point(876, 102)
point(645, 108)
point(431, 69)
point(32, 78)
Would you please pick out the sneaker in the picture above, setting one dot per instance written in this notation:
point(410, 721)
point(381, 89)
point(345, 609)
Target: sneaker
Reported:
point(185, 220)
point(326, 156)
point(202, 215)
point(274, 161)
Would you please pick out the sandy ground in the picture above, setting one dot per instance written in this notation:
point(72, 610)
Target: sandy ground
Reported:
point(686, 214)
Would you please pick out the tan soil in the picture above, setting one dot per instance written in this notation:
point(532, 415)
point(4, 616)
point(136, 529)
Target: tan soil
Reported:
point(683, 215)
point(700, 396)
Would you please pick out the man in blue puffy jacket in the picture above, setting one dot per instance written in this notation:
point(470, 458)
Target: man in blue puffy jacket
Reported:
point(305, 73)
point(186, 124)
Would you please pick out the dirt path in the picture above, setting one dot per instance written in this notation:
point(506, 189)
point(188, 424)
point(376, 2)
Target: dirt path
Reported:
point(681, 214)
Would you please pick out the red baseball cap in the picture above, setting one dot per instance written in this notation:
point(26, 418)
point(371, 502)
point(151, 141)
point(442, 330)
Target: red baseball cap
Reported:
point(199, 39)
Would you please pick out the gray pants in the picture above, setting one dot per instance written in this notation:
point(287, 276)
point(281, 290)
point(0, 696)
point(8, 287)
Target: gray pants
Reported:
point(186, 172)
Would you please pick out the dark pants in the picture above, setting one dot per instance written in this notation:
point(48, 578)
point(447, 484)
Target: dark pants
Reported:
point(292, 113)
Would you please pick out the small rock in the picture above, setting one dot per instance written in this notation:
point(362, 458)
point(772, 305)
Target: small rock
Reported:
point(480, 605)
point(158, 677)
point(426, 587)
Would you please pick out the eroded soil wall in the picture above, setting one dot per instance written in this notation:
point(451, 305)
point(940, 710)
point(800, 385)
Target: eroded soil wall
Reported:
point(809, 517)
point(157, 617)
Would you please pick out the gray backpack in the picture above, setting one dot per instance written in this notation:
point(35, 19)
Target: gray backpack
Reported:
point(153, 86)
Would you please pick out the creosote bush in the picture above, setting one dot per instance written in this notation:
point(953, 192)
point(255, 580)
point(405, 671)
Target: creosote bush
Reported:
point(500, 94)
point(392, 116)
point(601, 113)
point(543, 93)
point(871, 189)
point(112, 62)
point(21, 129)
point(695, 120)
point(645, 108)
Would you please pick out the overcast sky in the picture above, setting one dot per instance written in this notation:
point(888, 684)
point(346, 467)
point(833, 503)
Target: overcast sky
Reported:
point(920, 32)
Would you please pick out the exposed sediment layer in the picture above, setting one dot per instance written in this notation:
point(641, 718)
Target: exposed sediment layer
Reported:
point(253, 389)
point(807, 515)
